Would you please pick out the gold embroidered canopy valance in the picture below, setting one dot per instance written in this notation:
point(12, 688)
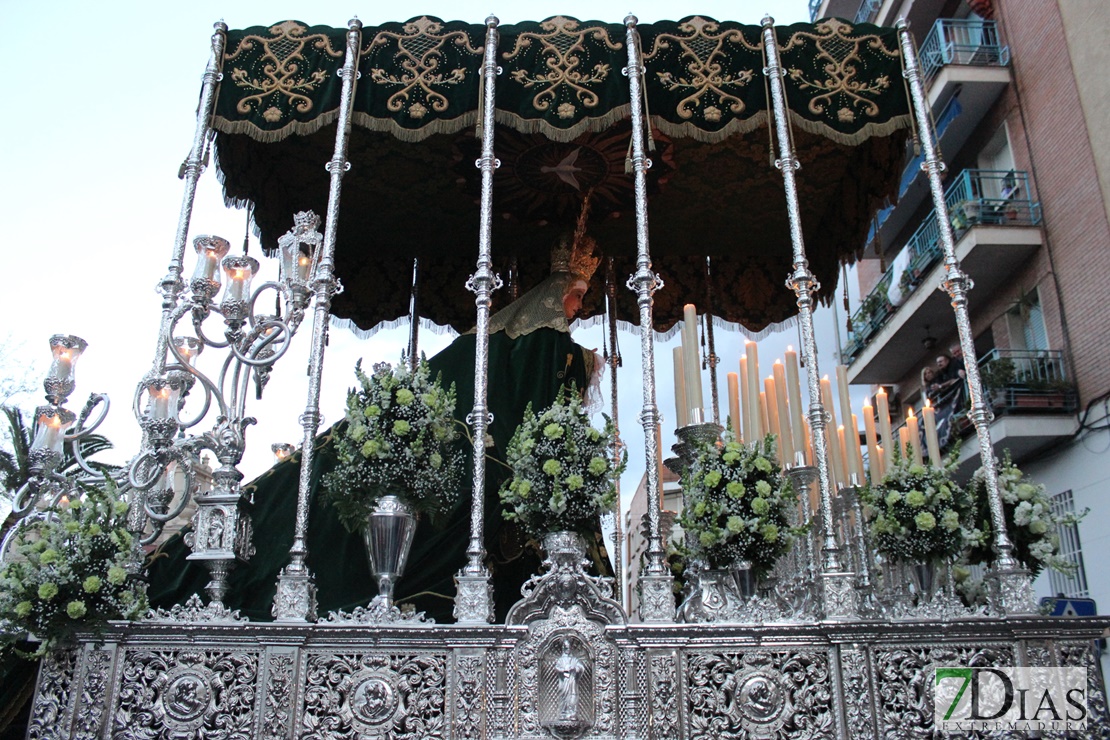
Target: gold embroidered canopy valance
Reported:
point(562, 115)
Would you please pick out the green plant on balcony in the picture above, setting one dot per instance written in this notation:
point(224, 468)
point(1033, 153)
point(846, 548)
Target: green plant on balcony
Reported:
point(998, 374)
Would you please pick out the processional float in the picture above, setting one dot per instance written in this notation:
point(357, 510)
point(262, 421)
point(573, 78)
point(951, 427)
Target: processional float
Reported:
point(383, 117)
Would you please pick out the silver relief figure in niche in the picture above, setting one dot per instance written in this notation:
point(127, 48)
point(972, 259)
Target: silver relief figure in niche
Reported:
point(569, 668)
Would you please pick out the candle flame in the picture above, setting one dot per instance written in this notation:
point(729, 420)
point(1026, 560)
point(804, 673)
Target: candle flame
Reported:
point(928, 404)
point(909, 412)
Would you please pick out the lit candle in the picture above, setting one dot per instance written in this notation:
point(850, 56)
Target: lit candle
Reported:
point(794, 393)
point(845, 397)
point(189, 347)
point(872, 444)
point(160, 403)
point(914, 435)
point(857, 452)
point(51, 424)
point(884, 422)
point(304, 264)
point(63, 365)
point(679, 390)
point(931, 439)
point(770, 393)
point(786, 436)
point(833, 447)
point(734, 405)
point(756, 427)
point(691, 364)
point(882, 462)
point(239, 270)
point(745, 399)
point(764, 422)
point(845, 465)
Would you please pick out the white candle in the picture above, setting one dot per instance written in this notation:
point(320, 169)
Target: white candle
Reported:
point(691, 364)
point(160, 403)
point(786, 436)
point(234, 291)
point(857, 452)
point(794, 393)
point(52, 437)
point(734, 405)
point(845, 465)
point(304, 263)
point(764, 422)
point(931, 439)
point(884, 423)
point(745, 399)
point(903, 441)
point(679, 390)
point(833, 448)
point(882, 462)
point(63, 366)
point(757, 430)
point(809, 443)
point(914, 435)
point(845, 397)
point(771, 395)
point(872, 444)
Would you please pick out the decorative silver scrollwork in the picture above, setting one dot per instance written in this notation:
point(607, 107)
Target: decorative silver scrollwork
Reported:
point(367, 695)
point(186, 694)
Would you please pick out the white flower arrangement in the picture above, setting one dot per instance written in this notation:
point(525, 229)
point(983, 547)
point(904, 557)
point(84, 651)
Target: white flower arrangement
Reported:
point(564, 477)
point(737, 504)
point(398, 439)
point(917, 514)
point(1030, 521)
point(70, 571)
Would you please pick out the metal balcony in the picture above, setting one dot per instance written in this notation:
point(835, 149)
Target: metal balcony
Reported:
point(966, 69)
point(995, 223)
point(1033, 400)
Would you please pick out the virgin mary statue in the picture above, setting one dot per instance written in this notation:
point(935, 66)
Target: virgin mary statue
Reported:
point(531, 357)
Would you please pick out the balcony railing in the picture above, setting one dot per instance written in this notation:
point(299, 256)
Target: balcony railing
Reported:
point(988, 197)
point(867, 10)
point(1034, 368)
point(972, 42)
point(814, 9)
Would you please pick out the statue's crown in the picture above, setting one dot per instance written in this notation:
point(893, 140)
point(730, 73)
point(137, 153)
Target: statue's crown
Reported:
point(575, 251)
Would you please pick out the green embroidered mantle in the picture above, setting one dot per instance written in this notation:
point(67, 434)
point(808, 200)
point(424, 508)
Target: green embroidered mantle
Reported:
point(562, 113)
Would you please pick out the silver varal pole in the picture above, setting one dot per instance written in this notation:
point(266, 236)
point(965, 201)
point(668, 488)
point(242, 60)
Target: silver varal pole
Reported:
point(474, 598)
point(837, 583)
point(1015, 587)
point(656, 597)
point(191, 169)
point(711, 359)
point(295, 600)
point(618, 445)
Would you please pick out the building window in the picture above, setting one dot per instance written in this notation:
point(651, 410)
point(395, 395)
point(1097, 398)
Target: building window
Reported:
point(1074, 586)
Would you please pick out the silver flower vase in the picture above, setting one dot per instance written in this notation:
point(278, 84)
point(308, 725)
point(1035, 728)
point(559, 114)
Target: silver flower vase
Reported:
point(388, 537)
point(714, 597)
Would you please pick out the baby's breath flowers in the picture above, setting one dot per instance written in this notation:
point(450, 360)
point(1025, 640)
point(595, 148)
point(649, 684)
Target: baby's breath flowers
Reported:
point(398, 439)
point(69, 571)
point(917, 513)
point(1030, 522)
point(737, 505)
point(563, 472)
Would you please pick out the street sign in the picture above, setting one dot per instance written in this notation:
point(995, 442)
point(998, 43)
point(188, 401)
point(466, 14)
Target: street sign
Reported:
point(1060, 607)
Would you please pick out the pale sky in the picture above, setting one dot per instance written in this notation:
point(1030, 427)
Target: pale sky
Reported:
point(100, 101)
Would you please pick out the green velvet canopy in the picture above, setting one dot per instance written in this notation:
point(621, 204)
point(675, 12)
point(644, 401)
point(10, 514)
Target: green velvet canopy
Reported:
point(563, 130)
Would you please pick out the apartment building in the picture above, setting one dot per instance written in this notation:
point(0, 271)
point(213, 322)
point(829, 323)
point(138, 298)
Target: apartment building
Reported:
point(1021, 106)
